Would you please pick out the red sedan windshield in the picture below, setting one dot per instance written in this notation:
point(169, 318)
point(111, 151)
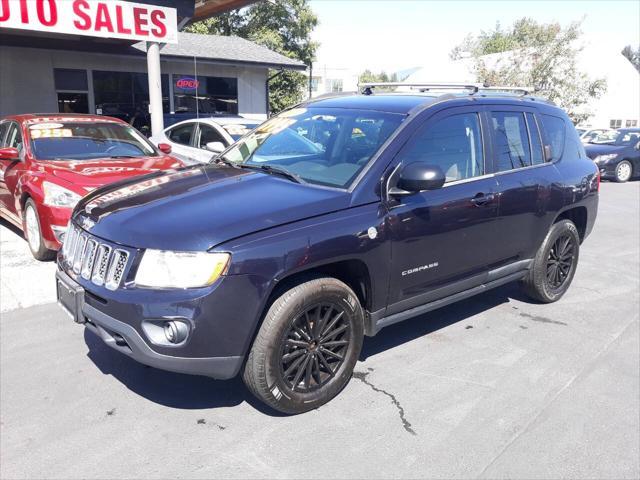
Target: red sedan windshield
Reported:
point(87, 141)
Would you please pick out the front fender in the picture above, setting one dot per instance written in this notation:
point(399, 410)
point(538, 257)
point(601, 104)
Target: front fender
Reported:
point(357, 233)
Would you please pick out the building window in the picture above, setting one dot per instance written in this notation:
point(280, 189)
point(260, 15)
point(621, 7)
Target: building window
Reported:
point(205, 94)
point(632, 123)
point(72, 90)
point(335, 84)
point(74, 80)
point(125, 95)
point(615, 123)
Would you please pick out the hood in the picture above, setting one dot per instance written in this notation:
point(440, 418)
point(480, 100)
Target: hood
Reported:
point(593, 150)
point(102, 171)
point(196, 208)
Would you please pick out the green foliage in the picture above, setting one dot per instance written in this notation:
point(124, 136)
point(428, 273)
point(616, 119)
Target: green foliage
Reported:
point(283, 26)
point(542, 56)
point(632, 55)
point(369, 77)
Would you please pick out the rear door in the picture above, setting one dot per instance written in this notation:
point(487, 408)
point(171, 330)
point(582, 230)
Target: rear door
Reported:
point(182, 138)
point(523, 182)
point(440, 237)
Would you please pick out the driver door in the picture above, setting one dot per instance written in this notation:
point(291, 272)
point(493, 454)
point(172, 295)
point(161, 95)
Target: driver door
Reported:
point(440, 238)
point(10, 171)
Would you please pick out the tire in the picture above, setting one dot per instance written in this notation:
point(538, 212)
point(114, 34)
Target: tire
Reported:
point(555, 263)
point(624, 171)
point(322, 307)
point(33, 233)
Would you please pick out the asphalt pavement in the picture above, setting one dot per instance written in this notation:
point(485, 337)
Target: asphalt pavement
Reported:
point(493, 387)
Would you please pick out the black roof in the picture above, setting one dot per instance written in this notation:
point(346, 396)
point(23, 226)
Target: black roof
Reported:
point(406, 103)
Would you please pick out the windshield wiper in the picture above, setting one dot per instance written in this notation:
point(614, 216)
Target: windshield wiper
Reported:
point(122, 156)
point(224, 161)
point(274, 171)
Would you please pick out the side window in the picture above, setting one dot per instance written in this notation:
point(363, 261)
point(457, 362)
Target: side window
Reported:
point(181, 134)
point(14, 137)
point(537, 154)
point(209, 134)
point(512, 140)
point(554, 127)
point(3, 130)
point(453, 143)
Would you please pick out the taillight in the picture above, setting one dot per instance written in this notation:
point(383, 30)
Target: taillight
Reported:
point(598, 180)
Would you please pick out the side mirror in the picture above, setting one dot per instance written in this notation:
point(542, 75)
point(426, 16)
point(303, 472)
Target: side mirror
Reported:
point(9, 153)
point(638, 146)
point(215, 147)
point(418, 177)
point(164, 148)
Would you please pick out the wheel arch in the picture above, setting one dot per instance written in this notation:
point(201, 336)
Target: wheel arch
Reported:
point(579, 215)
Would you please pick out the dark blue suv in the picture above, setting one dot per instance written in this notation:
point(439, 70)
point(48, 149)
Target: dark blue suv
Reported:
point(329, 222)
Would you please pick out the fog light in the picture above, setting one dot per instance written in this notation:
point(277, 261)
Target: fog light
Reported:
point(176, 332)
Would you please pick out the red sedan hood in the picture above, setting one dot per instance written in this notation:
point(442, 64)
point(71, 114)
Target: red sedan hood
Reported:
point(102, 171)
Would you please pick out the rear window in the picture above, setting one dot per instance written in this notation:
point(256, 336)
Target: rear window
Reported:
point(555, 129)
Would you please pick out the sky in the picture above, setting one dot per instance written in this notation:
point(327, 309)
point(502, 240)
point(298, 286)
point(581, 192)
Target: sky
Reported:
point(394, 35)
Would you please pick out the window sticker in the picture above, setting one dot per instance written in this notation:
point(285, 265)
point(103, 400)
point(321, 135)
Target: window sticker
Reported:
point(45, 126)
point(51, 133)
point(238, 130)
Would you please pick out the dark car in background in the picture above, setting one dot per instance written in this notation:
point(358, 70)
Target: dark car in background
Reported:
point(616, 153)
point(329, 222)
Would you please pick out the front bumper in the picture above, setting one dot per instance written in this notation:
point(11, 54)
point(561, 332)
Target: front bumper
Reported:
point(222, 323)
point(125, 339)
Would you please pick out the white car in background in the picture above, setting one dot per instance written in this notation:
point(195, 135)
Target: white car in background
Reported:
point(588, 134)
point(198, 139)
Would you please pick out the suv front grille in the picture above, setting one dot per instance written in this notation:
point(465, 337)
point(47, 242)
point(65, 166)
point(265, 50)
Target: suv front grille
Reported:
point(93, 260)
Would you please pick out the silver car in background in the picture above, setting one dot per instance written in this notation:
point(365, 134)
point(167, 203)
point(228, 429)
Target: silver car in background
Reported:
point(198, 139)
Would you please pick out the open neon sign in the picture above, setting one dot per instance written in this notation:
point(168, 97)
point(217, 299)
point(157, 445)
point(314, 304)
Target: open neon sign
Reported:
point(188, 83)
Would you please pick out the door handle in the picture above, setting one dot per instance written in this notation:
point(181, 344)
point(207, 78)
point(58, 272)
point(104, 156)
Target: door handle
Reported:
point(482, 199)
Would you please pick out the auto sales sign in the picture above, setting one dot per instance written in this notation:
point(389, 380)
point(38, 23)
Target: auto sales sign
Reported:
point(96, 18)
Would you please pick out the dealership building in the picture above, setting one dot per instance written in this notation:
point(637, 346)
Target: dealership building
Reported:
point(41, 71)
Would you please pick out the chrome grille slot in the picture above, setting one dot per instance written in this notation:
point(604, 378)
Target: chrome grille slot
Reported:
point(102, 262)
point(78, 256)
point(89, 258)
point(116, 270)
point(93, 260)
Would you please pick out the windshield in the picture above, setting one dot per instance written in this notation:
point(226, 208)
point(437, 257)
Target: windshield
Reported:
point(87, 141)
point(237, 130)
point(326, 146)
point(618, 137)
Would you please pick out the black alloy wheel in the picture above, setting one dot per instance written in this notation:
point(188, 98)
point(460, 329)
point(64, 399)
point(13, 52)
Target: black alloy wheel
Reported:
point(314, 347)
point(560, 261)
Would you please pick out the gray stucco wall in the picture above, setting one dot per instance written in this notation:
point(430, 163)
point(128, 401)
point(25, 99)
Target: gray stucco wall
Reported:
point(27, 84)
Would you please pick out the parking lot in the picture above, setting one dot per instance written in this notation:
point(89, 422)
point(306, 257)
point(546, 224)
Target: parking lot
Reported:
point(493, 387)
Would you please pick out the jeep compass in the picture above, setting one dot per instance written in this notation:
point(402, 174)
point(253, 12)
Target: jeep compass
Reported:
point(328, 222)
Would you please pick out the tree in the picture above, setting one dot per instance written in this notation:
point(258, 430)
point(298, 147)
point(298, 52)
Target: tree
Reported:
point(369, 77)
point(284, 26)
point(542, 56)
point(632, 55)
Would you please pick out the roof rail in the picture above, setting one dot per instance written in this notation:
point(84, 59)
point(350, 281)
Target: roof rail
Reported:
point(368, 87)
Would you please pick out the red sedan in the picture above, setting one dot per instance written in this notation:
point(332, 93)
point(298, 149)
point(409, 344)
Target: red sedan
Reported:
point(49, 162)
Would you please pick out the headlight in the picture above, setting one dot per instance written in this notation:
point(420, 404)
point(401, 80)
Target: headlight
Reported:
point(605, 158)
point(57, 196)
point(164, 269)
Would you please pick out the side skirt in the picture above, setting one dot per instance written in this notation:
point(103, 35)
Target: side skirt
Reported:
point(376, 321)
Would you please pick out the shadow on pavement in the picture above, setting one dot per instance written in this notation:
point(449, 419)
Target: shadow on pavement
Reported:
point(403, 332)
point(10, 226)
point(192, 392)
point(173, 390)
